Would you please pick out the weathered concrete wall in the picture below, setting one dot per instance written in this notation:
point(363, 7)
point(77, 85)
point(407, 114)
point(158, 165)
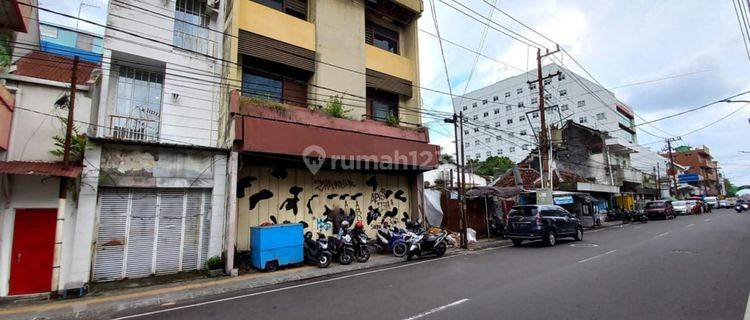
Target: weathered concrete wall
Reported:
point(268, 194)
point(129, 166)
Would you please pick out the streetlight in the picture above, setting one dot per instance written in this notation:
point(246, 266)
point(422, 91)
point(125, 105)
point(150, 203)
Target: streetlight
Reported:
point(736, 101)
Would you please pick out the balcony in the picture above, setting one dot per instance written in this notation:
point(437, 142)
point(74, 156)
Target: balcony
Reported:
point(134, 129)
point(389, 63)
point(274, 24)
point(627, 174)
point(620, 146)
point(289, 130)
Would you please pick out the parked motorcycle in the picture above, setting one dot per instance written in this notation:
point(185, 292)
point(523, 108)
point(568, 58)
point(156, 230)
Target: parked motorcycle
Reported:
point(740, 207)
point(316, 252)
point(341, 246)
point(360, 240)
point(391, 241)
point(427, 243)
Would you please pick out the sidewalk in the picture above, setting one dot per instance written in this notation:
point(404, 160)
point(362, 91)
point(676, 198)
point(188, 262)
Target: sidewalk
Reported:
point(111, 301)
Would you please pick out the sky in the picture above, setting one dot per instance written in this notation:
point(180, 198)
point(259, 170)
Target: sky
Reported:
point(621, 42)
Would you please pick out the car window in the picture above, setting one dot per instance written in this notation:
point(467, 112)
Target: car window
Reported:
point(549, 213)
point(679, 203)
point(652, 205)
point(522, 212)
point(564, 214)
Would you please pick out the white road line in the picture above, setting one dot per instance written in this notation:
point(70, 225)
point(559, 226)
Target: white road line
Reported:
point(438, 309)
point(747, 309)
point(285, 288)
point(661, 234)
point(707, 220)
point(597, 256)
point(690, 225)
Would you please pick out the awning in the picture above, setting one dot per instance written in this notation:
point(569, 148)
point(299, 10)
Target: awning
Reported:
point(54, 169)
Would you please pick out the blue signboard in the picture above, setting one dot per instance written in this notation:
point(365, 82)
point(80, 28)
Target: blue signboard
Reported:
point(563, 200)
point(688, 177)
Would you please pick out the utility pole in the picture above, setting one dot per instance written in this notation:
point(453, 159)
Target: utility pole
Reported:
point(672, 172)
point(543, 145)
point(63, 190)
point(658, 180)
point(458, 130)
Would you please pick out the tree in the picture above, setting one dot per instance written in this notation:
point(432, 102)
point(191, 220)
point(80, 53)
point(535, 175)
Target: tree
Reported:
point(447, 158)
point(493, 166)
point(731, 189)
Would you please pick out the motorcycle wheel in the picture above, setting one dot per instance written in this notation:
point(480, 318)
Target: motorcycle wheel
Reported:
point(363, 254)
point(399, 249)
point(346, 257)
point(440, 250)
point(324, 260)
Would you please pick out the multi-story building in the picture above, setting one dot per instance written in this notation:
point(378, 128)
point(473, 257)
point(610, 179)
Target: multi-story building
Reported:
point(503, 118)
point(702, 170)
point(292, 65)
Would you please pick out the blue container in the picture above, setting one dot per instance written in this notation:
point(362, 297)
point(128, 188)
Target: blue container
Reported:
point(276, 245)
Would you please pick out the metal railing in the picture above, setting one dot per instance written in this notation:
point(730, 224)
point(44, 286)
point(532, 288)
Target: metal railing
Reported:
point(194, 42)
point(129, 128)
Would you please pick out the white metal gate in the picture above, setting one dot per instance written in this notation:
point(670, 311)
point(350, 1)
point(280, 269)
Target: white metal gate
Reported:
point(151, 231)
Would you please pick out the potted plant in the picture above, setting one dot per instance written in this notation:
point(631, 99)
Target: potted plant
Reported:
point(214, 266)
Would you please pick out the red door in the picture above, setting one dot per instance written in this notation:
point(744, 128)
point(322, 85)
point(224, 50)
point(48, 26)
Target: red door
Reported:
point(33, 251)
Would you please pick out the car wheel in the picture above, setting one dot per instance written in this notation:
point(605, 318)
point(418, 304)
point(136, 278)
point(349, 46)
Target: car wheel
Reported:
point(550, 239)
point(517, 242)
point(579, 235)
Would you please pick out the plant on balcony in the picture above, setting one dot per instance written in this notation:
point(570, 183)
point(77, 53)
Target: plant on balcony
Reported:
point(392, 120)
point(266, 103)
point(335, 108)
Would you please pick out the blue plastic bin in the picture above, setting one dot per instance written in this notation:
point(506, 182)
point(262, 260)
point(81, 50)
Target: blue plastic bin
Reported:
point(282, 244)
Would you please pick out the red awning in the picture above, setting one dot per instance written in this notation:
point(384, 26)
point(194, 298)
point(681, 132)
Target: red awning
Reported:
point(40, 168)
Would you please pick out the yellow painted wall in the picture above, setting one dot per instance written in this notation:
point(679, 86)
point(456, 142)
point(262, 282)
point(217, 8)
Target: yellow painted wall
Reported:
point(389, 63)
point(315, 190)
point(275, 24)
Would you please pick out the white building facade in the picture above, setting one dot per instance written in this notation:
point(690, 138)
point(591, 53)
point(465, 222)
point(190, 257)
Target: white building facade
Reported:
point(502, 119)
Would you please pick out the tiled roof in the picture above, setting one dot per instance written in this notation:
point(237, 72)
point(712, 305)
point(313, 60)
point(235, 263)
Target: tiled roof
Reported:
point(40, 168)
point(49, 66)
point(530, 178)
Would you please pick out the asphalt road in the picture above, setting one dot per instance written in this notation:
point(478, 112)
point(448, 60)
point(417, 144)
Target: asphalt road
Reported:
point(693, 267)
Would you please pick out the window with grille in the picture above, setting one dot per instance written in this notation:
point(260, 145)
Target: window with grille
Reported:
point(512, 149)
point(509, 121)
point(295, 8)
point(582, 120)
point(381, 37)
point(495, 98)
point(563, 92)
point(138, 108)
point(519, 91)
point(191, 27)
point(497, 111)
point(486, 114)
point(581, 103)
point(564, 107)
point(534, 100)
point(507, 94)
point(601, 116)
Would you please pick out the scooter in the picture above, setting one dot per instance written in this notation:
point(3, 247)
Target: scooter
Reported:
point(426, 243)
point(740, 207)
point(390, 240)
point(342, 248)
point(360, 240)
point(316, 252)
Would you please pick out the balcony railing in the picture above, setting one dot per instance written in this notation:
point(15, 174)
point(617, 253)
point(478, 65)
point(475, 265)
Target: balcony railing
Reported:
point(627, 174)
point(129, 128)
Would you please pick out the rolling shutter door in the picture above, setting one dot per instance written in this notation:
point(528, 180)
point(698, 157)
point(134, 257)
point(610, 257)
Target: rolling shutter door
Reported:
point(148, 231)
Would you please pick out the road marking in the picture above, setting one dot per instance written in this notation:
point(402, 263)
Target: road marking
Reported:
point(661, 235)
point(638, 227)
point(690, 225)
point(285, 288)
point(707, 220)
point(438, 309)
point(597, 256)
point(747, 309)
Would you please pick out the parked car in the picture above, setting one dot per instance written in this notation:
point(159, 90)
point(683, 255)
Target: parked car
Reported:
point(681, 207)
point(542, 222)
point(724, 204)
point(691, 206)
point(659, 209)
point(712, 201)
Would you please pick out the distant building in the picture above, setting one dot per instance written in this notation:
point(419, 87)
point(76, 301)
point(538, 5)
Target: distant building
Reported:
point(503, 118)
point(69, 42)
point(702, 169)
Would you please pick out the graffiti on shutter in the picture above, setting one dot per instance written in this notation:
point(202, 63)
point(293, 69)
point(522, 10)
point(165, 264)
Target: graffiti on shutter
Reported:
point(140, 245)
point(111, 237)
point(171, 207)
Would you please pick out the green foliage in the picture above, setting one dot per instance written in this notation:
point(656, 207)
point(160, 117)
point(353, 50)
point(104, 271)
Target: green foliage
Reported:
point(214, 263)
point(493, 166)
point(335, 108)
point(77, 144)
point(731, 189)
point(5, 51)
point(447, 158)
point(392, 120)
point(265, 102)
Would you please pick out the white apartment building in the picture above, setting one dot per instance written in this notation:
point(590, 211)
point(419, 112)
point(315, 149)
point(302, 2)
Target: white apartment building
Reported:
point(502, 119)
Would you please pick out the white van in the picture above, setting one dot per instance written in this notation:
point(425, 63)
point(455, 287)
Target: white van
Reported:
point(712, 201)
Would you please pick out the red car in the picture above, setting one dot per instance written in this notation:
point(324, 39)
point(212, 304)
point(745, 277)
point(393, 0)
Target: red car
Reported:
point(659, 209)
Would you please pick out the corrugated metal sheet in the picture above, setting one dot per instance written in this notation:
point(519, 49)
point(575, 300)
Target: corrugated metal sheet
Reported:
point(262, 47)
point(171, 211)
point(49, 66)
point(385, 82)
point(139, 260)
point(54, 169)
point(111, 238)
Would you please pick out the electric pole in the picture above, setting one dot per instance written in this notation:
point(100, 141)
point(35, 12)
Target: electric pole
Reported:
point(63, 190)
point(672, 172)
point(658, 179)
point(458, 130)
point(543, 145)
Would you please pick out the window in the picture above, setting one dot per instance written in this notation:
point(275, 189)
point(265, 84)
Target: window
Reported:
point(581, 103)
point(476, 142)
point(381, 37)
point(495, 98)
point(499, 152)
point(478, 155)
point(488, 140)
point(486, 126)
point(564, 107)
point(476, 129)
point(383, 105)
point(467, 144)
point(547, 81)
point(509, 121)
point(532, 86)
point(191, 27)
point(534, 115)
point(511, 134)
point(138, 108)
point(601, 116)
point(507, 94)
point(497, 111)
point(563, 92)
point(486, 114)
point(466, 132)
point(269, 81)
point(519, 91)
point(561, 77)
point(512, 149)
point(523, 132)
point(465, 108)
point(295, 8)
point(497, 124)
point(508, 108)
point(534, 100)
point(474, 105)
point(498, 138)
point(582, 120)
point(475, 117)
point(547, 96)
point(522, 118)
point(520, 105)
point(489, 153)
point(484, 101)
point(525, 147)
